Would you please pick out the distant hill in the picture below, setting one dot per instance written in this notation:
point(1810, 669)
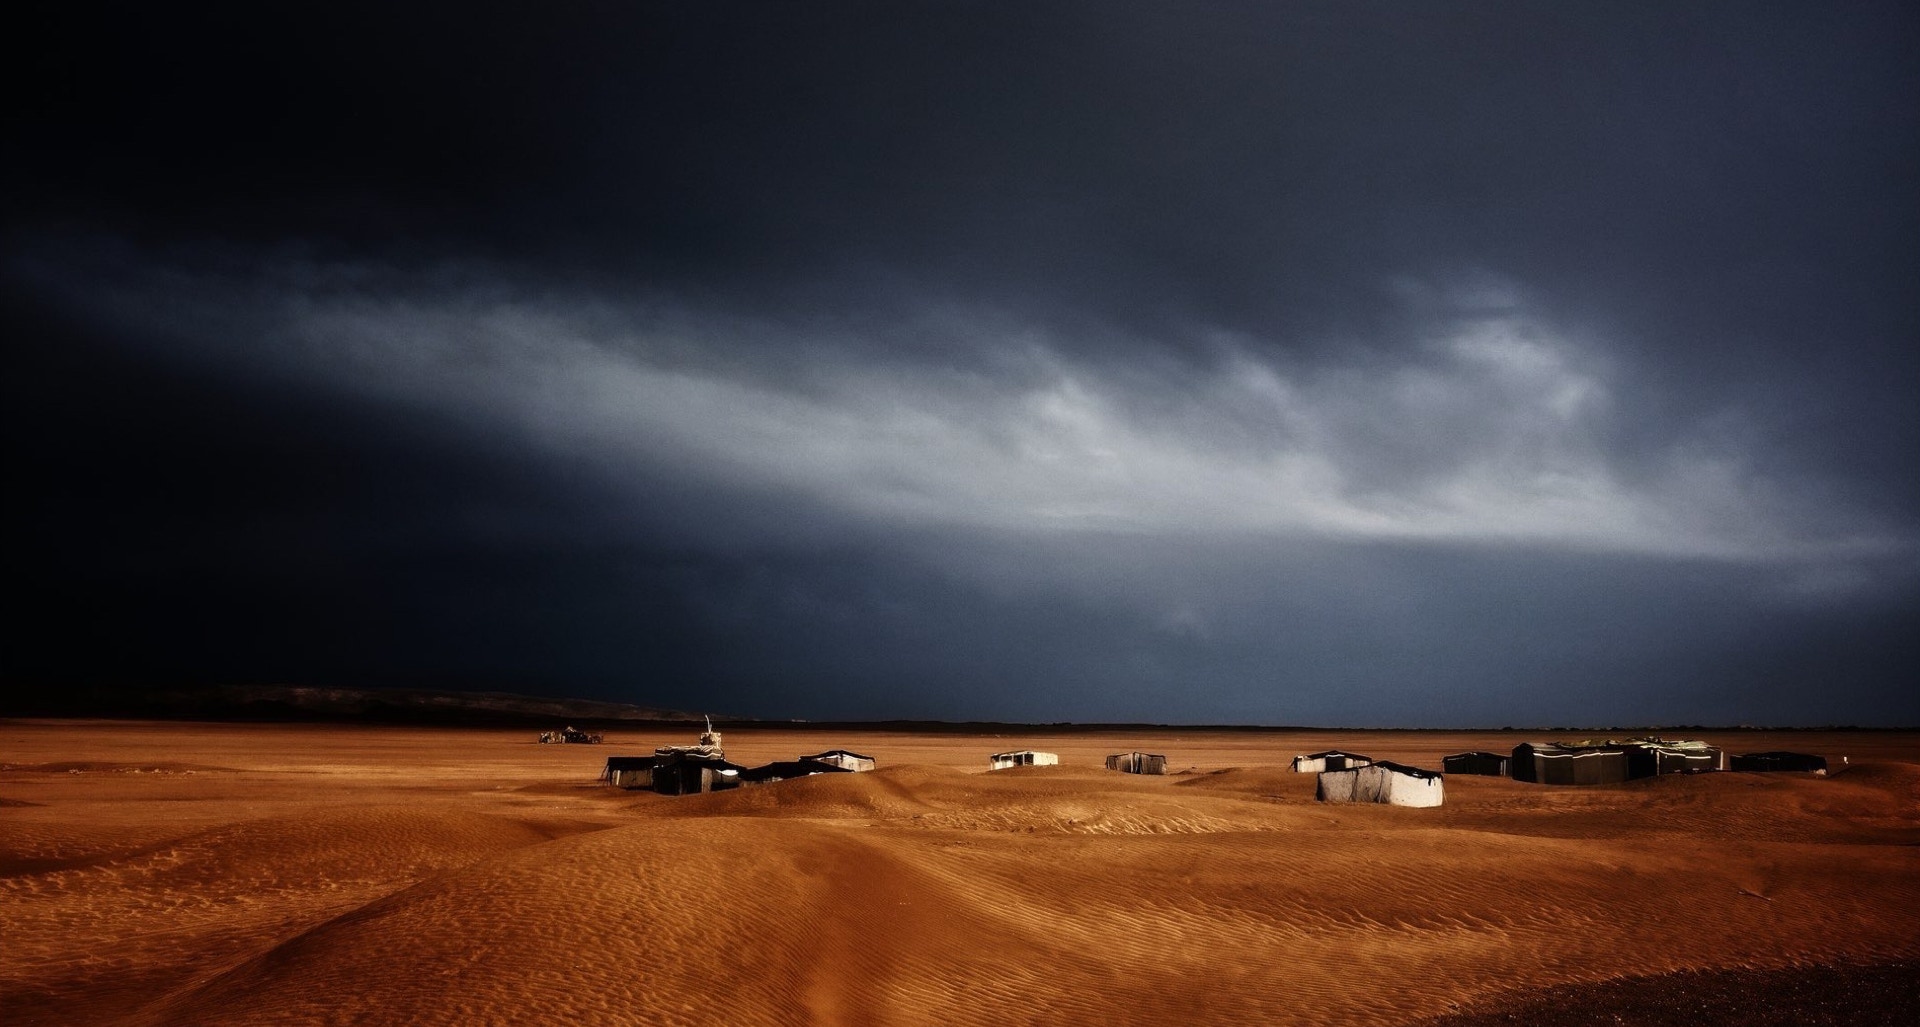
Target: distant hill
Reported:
point(302, 703)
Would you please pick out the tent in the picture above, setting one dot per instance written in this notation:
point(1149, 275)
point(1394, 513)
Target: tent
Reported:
point(1021, 758)
point(1485, 764)
point(1550, 763)
point(1138, 763)
point(1392, 783)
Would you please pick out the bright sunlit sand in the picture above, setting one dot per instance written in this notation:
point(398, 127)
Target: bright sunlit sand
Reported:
point(171, 874)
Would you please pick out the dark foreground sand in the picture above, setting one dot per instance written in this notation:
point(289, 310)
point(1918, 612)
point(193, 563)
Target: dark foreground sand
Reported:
point(166, 873)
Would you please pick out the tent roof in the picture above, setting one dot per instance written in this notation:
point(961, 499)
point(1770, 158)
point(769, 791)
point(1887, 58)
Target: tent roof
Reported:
point(1398, 768)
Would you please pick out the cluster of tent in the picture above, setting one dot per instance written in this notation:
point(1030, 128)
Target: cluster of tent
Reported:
point(1351, 777)
point(693, 769)
point(1343, 776)
point(1606, 761)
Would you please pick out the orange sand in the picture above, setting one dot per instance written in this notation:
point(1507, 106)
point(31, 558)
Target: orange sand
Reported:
point(245, 874)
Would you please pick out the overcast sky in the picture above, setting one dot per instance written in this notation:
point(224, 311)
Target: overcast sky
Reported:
point(1355, 364)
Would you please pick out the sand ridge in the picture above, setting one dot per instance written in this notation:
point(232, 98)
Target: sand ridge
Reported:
point(468, 877)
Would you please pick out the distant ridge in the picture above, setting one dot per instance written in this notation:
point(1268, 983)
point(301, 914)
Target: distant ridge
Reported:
point(308, 703)
point(297, 703)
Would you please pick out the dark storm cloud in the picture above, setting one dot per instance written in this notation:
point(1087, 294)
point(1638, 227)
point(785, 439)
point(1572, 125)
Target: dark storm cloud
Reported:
point(1290, 362)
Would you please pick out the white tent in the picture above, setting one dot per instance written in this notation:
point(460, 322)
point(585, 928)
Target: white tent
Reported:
point(1390, 783)
point(1022, 758)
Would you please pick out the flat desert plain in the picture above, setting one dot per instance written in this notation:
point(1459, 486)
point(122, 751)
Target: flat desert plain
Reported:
point(249, 874)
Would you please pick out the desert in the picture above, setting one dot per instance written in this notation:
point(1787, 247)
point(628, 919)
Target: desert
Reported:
point(166, 873)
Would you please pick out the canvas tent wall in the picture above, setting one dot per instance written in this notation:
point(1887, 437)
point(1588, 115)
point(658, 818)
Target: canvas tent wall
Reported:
point(691, 773)
point(1138, 763)
point(1780, 761)
point(843, 759)
point(1332, 759)
point(1021, 758)
point(1391, 783)
point(1642, 760)
point(629, 772)
point(1485, 764)
point(1552, 764)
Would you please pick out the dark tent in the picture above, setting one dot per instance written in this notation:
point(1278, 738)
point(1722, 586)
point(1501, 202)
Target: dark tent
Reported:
point(1485, 764)
point(1781, 761)
point(1549, 763)
point(1642, 761)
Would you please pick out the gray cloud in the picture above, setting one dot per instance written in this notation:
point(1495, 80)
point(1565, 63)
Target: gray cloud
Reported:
point(1286, 362)
point(1002, 523)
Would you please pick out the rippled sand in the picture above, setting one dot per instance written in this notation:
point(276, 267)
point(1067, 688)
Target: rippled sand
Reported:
point(154, 873)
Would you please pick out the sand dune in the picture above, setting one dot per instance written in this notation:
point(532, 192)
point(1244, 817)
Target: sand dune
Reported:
point(471, 877)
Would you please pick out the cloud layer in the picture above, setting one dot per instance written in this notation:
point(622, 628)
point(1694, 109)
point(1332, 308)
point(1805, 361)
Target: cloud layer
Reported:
point(1328, 363)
